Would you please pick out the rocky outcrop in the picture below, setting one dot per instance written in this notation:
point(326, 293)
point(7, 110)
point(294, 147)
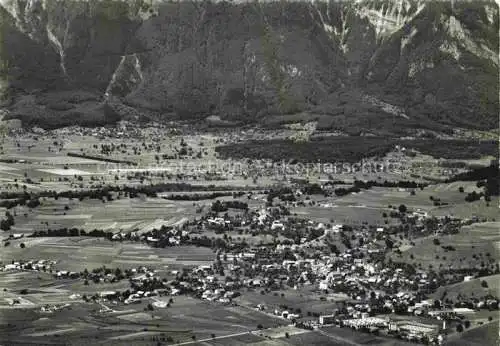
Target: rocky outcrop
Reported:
point(436, 62)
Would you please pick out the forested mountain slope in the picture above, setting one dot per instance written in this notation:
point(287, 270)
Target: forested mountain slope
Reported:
point(352, 63)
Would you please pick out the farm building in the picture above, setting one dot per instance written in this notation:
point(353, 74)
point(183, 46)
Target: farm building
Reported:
point(414, 327)
point(326, 319)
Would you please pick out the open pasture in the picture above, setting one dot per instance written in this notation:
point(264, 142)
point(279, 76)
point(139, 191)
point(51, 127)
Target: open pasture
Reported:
point(369, 205)
point(472, 288)
point(480, 209)
point(468, 186)
point(45, 157)
point(43, 151)
point(485, 231)
point(475, 244)
point(380, 197)
point(146, 149)
point(484, 335)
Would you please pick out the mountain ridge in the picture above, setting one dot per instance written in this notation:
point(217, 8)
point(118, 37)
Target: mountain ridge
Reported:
point(436, 62)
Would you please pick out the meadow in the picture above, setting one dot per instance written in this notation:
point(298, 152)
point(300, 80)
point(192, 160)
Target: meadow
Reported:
point(472, 288)
point(474, 245)
point(306, 300)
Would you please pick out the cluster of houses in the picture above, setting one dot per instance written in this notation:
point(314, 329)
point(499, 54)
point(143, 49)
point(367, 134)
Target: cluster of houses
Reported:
point(124, 129)
point(36, 265)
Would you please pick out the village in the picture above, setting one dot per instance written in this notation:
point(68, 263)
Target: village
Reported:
point(143, 221)
point(249, 173)
point(349, 269)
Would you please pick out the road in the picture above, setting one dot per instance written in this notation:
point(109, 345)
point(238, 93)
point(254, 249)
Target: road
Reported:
point(210, 339)
point(264, 313)
point(337, 338)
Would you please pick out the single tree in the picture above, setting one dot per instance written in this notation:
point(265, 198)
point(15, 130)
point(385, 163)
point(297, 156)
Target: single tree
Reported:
point(402, 208)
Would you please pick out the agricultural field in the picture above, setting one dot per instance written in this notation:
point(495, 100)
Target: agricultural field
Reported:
point(343, 214)
point(120, 215)
point(304, 300)
point(338, 337)
point(45, 162)
point(78, 253)
point(185, 319)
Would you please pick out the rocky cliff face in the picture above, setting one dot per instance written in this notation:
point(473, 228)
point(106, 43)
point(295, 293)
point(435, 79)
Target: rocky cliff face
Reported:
point(359, 63)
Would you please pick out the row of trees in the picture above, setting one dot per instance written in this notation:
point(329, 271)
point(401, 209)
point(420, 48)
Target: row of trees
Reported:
point(72, 232)
point(202, 196)
point(219, 206)
point(32, 199)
